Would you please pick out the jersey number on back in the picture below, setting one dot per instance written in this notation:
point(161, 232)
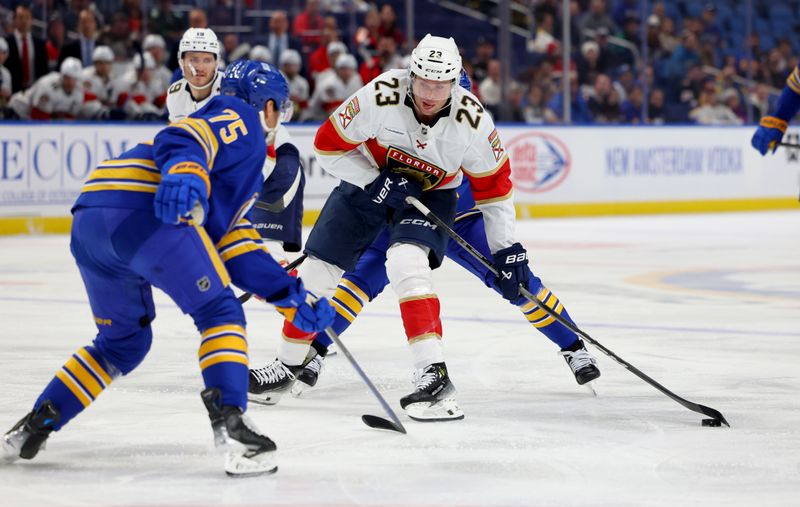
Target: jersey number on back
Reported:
point(230, 133)
point(392, 98)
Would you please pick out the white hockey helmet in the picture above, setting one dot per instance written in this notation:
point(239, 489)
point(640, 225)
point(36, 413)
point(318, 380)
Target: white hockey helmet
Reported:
point(260, 53)
point(436, 58)
point(71, 67)
point(102, 54)
point(149, 62)
point(291, 57)
point(154, 41)
point(3, 45)
point(203, 40)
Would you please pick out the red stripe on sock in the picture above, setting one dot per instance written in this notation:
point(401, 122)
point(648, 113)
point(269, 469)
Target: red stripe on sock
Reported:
point(421, 316)
point(291, 332)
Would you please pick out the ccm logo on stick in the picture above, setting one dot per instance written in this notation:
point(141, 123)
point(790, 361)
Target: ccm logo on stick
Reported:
point(417, 221)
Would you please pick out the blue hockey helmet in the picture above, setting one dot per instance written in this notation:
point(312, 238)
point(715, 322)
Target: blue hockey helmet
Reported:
point(464, 81)
point(256, 83)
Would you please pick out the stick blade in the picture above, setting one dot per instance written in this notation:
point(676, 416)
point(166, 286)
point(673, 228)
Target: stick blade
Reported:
point(716, 414)
point(380, 423)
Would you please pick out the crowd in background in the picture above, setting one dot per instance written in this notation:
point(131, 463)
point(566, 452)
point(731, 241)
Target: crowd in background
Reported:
point(119, 63)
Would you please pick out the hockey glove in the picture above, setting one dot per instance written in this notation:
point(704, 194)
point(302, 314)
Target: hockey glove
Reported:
point(768, 134)
point(184, 191)
point(391, 189)
point(512, 266)
point(304, 310)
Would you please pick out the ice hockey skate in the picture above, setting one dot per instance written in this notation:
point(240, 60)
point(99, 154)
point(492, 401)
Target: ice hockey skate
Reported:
point(309, 376)
point(582, 363)
point(434, 396)
point(29, 435)
point(247, 451)
point(268, 384)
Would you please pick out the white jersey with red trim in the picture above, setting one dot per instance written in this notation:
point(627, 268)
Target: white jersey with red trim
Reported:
point(376, 128)
point(180, 102)
point(47, 99)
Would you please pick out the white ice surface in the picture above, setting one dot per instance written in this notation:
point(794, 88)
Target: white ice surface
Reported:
point(709, 305)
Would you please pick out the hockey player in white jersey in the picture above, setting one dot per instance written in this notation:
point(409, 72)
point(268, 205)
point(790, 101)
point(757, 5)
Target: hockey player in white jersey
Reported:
point(57, 95)
point(198, 56)
point(97, 84)
point(138, 92)
point(411, 132)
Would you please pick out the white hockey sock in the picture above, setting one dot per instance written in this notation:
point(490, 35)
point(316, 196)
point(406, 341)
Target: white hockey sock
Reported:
point(293, 353)
point(426, 351)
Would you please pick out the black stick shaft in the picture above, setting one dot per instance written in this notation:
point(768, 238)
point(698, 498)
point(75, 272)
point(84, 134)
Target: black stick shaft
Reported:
point(695, 407)
point(374, 390)
point(246, 296)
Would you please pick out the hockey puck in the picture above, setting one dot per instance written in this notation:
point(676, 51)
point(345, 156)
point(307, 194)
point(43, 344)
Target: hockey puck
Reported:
point(714, 423)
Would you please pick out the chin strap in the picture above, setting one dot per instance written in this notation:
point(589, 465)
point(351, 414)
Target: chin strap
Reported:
point(269, 131)
point(194, 73)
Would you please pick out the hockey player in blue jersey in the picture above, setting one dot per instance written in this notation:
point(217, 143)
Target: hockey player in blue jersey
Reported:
point(172, 213)
point(771, 128)
point(368, 280)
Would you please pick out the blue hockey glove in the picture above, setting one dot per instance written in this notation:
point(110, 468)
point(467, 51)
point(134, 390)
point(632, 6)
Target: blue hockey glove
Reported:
point(391, 189)
point(768, 134)
point(304, 310)
point(512, 265)
point(182, 192)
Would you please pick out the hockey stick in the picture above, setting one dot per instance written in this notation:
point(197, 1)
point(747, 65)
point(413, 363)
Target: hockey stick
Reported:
point(718, 418)
point(372, 421)
point(788, 145)
point(246, 296)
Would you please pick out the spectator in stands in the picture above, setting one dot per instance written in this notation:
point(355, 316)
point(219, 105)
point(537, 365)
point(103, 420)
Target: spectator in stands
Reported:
point(71, 14)
point(589, 65)
point(624, 9)
point(389, 26)
point(632, 107)
point(321, 67)
point(157, 47)
point(684, 57)
point(278, 39)
point(711, 112)
point(631, 32)
point(83, 47)
point(491, 87)
point(318, 58)
point(666, 36)
point(510, 110)
point(165, 21)
point(54, 96)
point(759, 101)
point(480, 64)
point(544, 43)
point(333, 88)
point(133, 9)
point(692, 84)
point(54, 41)
point(232, 50)
point(709, 53)
point(603, 101)
point(653, 37)
point(290, 65)
point(198, 18)
point(655, 109)
point(710, 28)
point(308, 25)
point(5, 77)
point(596, 18)
point(579, 110)
point(777, 68)
point(731, 99)
point(27, 55)
point(366, 38)
point(535, 110)
point(385, 59)
point(118, 38)
point(97, 84)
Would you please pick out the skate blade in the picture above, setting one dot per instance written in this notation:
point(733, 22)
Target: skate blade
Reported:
point(589, 386)
point(299, 388)
point(240, 465)
point(11, 445)
point(265, 399)
point(443, 410)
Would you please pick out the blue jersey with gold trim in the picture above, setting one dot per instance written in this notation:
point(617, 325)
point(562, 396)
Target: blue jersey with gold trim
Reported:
point(224, 138)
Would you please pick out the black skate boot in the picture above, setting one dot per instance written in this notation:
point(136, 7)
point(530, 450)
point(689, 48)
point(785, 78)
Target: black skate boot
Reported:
point(312, 368)
point(247, 451)
point(582, 363)
point(434, 396)
point(266, 385)
point(29, 435)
